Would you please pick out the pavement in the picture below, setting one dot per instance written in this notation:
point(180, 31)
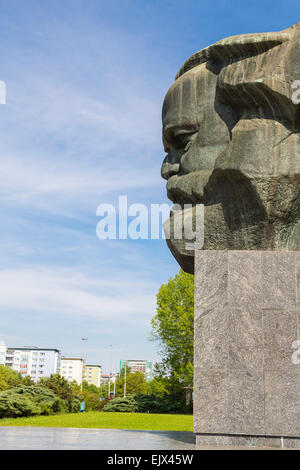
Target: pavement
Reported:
point(36, 438)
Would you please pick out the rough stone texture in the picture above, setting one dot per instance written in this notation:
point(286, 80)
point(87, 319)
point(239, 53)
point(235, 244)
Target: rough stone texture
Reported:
point(245, 442)
point(231, 133)
point(247, 389)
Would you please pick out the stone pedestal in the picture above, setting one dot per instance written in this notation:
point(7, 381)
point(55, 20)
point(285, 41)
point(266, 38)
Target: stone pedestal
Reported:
point(247, 320)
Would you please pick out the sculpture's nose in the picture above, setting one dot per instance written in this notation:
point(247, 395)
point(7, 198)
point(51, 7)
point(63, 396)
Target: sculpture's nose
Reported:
point(169, 168)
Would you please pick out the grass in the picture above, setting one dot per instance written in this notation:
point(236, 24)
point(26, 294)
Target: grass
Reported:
point(102, 420)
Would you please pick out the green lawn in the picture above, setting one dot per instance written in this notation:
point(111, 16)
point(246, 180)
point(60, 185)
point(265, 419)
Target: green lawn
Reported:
point(96, 419)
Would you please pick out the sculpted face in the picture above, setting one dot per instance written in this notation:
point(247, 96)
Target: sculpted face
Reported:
point(231, 134)
point(194, 134)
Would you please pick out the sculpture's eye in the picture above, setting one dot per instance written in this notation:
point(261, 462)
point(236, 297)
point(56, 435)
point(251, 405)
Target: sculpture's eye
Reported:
point(183, 139)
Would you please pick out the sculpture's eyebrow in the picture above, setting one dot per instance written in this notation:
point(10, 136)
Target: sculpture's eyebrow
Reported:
point(173, 130)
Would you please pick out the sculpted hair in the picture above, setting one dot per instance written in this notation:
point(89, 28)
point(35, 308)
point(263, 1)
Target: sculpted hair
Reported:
point(255, 73)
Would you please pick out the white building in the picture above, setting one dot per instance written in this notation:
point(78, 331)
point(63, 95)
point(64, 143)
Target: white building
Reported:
point(3, 350)
point(138, 365)
point(73, 369)
point(30, 360)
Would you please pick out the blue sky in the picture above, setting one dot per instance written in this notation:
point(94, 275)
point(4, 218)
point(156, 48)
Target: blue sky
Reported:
point(85, 84)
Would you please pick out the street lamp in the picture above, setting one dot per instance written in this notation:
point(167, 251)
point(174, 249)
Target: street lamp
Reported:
point(125, 372)
point(125, 380)
point(82, 339)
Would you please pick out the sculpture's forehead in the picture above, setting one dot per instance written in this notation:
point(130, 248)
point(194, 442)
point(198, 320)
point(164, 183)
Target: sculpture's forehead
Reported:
point(189, 96)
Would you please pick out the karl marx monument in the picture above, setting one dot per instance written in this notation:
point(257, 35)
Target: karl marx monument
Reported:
point(231, 133)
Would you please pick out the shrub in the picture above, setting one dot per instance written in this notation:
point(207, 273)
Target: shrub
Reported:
point(144, 403)
point(104, 402)
point(15, 405)
point(149, 403)
point(154, 404)
point(122, 404)
point(74, 405)
point(30, 401)
point(92, 401)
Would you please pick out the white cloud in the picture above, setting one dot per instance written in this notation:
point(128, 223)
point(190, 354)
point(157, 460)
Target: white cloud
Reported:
point(47, 291)
point(23, 180)
point(60, 142)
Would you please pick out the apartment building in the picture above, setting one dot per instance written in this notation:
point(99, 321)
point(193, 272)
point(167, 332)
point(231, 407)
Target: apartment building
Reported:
point(93, 374)
point(3, 350)
point(105, 378)
point(31, 360)
point(73, 368)
point(138, 365)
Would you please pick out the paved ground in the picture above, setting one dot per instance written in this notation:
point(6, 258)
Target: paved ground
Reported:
point(18, 438)
point(35, 438)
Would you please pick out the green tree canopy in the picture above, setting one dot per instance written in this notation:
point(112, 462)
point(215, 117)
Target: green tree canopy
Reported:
point(135, 383)
point(173, 328)
point(59, 385)
point(63, 389)
point(10, 378)
point(29, 401)
point(158, 386)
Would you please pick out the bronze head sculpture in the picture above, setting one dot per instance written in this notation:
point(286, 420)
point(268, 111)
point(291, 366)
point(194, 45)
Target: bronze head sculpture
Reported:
point(231, 133)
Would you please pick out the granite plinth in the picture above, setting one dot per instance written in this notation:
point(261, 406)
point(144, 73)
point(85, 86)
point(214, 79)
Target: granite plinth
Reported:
point(247, 371)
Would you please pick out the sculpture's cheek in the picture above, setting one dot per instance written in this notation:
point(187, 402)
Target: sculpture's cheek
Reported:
point(201, 158)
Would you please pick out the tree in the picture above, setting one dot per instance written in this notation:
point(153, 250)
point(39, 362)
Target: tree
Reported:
point(91, 388)
point(10, 378)
point(63, 389)
point(173, 328)
point(27, 381)
point(158, 386)
point(135, 383)
point(103, 390)
point(90, 394)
